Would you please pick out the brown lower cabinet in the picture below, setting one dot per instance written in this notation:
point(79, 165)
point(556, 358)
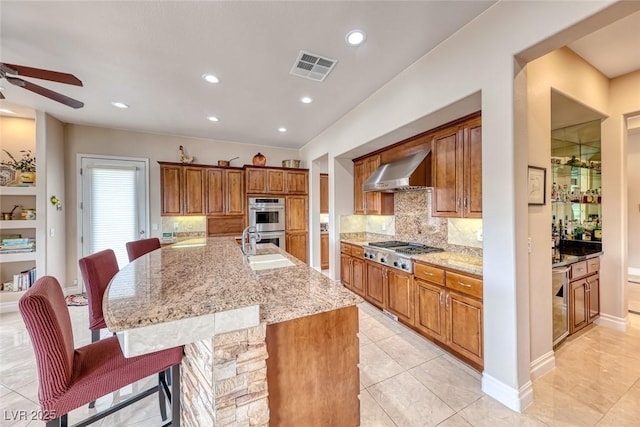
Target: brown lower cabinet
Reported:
point(297, 244)
point(449, 310)
point(312, 370)
point(584, 294)
point(352, 267)
point(324, 251)
point(443, 305)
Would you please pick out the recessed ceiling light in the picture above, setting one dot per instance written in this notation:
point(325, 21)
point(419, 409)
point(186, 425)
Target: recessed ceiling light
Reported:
point(213, 119)
point(355, 37)
point(211, 78)
point(119, 104)
point(306, 100)
point(4, 110)
point(1, 87)
point(282, 129)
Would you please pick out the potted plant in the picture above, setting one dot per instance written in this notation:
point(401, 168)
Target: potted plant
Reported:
point(26, 165)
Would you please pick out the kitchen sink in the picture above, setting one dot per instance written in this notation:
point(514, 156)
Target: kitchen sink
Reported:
point(268, 261)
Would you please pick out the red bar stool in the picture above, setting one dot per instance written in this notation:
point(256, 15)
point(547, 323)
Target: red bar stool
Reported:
point(97, 271)
point(137, 248)
point(70, 378)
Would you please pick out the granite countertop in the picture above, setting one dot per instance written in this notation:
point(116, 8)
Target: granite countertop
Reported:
point(566, 259)
point(466, 263)
point(210, 275)
point(456, 261)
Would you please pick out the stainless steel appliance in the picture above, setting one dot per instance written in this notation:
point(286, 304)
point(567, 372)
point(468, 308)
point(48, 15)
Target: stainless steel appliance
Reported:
point(267, 214)
point(560, 298)
point(396, 254)
point(409, 173)
point(275, 237)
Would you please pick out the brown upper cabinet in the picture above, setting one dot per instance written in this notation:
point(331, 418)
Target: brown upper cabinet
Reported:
point(324, 193)
point(225, 191)
point(372, 202)
point(182, 190)
point(457, 171)
point(276, 181)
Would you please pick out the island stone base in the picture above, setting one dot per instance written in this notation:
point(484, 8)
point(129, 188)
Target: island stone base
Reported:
point(224, 380)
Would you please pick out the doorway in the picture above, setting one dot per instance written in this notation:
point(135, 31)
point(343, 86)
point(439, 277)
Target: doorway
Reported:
point(633, 212)
point(113, 202)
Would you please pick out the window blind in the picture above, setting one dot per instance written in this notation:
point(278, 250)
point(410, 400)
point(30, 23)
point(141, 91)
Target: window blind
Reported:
point(113, 209)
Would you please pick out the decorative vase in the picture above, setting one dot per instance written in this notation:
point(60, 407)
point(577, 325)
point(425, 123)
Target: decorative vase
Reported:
point(259, 160)
point(27, 177)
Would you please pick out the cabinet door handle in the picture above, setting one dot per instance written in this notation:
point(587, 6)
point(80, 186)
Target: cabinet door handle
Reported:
point(448, 297)
point(441, 294)
point(466, 285)
point(465, 202)
point(457, 204)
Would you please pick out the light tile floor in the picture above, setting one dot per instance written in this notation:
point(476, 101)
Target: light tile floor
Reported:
point(405, 381)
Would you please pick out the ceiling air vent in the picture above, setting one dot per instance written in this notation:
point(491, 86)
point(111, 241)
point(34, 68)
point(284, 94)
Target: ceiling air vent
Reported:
point(311, 66)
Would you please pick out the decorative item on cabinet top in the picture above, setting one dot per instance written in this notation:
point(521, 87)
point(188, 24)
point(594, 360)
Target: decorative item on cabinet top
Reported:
point(182, 157)
point(259, 160)
point(226, 163)
point(291, 163)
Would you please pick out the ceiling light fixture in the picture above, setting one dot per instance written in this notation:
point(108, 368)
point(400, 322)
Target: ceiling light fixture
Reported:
point(213, 119)
point(4, 110)
point(119, 104)
point(282, 129)
point(306, 100)
point(355, 37)
point(211, 78)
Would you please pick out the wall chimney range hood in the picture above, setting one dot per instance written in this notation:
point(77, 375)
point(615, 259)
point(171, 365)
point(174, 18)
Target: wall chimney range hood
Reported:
point(408, 173)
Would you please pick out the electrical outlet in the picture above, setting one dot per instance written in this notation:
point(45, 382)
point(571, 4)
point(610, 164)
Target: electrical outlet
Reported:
point(529, 244)
point(154, 227)
point(175, 226)
point(479, 235)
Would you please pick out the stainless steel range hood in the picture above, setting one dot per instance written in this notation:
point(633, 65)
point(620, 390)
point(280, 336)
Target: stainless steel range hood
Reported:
point(409, 173)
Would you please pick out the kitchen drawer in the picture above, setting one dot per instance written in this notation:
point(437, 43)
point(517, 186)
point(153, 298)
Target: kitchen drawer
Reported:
point(593, 265)
point(464, 284)
point(357, 251)
point(428, 273)
point(345, 248)
point(578, 269)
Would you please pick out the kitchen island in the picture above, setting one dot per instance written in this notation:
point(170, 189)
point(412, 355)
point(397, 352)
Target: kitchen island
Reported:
point(267, 347)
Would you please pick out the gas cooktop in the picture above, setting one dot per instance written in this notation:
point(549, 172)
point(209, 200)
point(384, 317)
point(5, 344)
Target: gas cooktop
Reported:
point(396, 253)
point(408, 248)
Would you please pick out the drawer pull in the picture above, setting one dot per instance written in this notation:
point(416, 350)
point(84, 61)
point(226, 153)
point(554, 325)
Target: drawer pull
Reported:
point(427, 273)
point(464, 284)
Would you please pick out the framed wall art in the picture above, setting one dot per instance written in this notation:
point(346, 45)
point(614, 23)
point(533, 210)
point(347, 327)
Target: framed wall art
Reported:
point(536, 185)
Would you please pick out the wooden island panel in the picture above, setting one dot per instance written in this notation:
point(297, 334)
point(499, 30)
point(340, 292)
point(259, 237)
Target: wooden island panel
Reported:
point(312, 370)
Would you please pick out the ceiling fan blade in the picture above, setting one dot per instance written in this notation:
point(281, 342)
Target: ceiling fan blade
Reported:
point(1, 95)
point(45, 92)
point(39, 73)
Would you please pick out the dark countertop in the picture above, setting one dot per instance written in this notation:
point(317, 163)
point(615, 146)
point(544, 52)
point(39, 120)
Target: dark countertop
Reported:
point(571, 251)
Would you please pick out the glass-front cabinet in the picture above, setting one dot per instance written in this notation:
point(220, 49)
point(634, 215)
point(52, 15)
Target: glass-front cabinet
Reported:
point(576, 189)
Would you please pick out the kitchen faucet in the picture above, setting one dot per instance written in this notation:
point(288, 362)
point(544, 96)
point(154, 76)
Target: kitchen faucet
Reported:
point(254, 237)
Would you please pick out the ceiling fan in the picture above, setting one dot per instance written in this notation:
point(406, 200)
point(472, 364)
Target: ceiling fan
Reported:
point(8, 71)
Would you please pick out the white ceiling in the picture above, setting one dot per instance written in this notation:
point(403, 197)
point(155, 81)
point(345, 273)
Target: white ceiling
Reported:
point(151, 55)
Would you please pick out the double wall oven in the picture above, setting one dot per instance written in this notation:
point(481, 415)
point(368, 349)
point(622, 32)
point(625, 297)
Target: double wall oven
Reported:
point(267, 214)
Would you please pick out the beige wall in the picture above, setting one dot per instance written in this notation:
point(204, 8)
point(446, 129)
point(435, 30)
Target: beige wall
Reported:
point(114, 142)
point(16, 134)
point(569, 74)
point(623, 100)
point(633, 216)
point(474, 60)
point(55, 223)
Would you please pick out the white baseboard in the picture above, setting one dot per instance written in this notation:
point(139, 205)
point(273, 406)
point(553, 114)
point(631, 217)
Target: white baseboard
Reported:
point(542, 365)
point(612, 322)
point(516, 400)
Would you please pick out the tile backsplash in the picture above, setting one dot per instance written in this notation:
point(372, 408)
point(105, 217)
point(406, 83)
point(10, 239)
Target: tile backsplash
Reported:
point(413, 222)
point(184, 224)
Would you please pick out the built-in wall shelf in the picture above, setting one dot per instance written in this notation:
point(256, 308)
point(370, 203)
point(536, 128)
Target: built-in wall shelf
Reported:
point(18, 223)
point(19, 257)
point(18, 191)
